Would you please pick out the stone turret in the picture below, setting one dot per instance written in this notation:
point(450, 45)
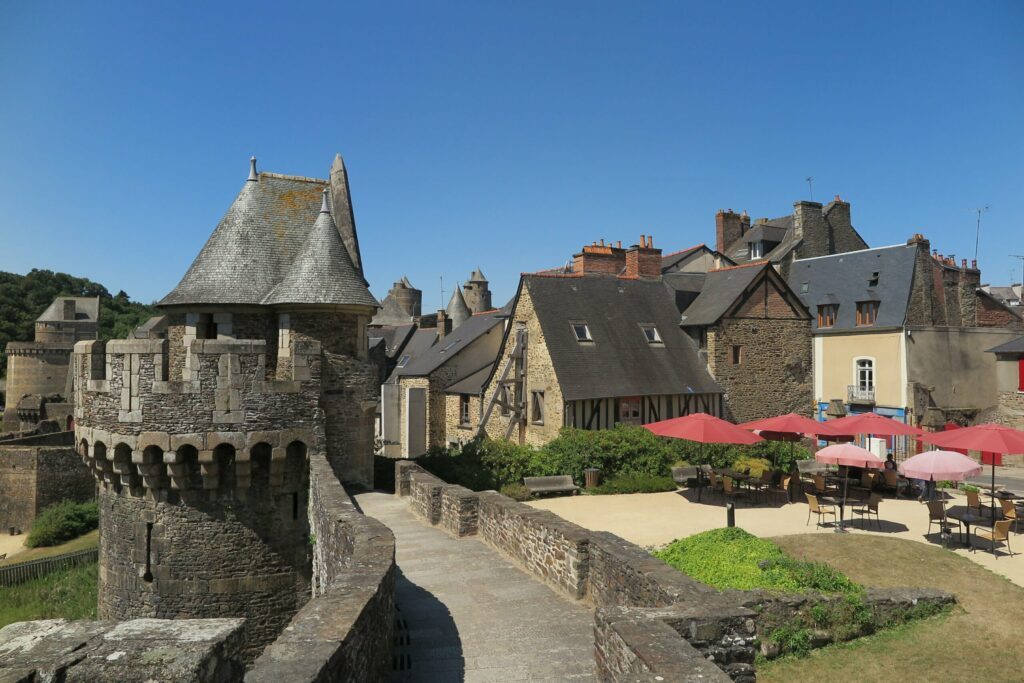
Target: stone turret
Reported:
point(200, 440)
point(477, 293)
point(458, 312)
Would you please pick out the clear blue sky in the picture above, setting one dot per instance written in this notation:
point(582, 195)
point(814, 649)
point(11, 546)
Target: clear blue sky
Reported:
point(503, 135)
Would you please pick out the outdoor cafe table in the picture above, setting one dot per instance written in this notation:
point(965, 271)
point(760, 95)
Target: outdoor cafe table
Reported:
point(968, 518)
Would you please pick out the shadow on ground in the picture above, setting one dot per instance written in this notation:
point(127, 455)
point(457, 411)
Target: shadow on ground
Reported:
point(427, 642)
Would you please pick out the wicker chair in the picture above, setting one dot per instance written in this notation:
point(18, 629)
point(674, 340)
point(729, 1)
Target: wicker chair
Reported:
point(974, 502)
point(813, 507)
point(1000, 534)
point(891, 480)
point(1010, 513)
point(870, 507)
point(937, 515)
point(714, 483)
point(729, 489)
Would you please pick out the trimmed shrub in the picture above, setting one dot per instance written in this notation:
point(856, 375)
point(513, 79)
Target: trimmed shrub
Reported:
point(634, 483)
point(62, 522)
point(515, 492)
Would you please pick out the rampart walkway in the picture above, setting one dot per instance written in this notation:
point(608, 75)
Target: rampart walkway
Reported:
point(466, 613)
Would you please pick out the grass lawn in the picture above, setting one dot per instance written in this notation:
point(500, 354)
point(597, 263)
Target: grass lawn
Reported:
point(83, 542)
point(979, 640)
point(70, 594)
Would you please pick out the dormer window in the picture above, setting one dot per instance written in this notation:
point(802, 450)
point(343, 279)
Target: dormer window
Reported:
point(827, 315)
point(756, 250)
point(804, 287)
point(582, 332)
point(651, 334)
point(867, 313)
point(403, 361)
point(873, 282)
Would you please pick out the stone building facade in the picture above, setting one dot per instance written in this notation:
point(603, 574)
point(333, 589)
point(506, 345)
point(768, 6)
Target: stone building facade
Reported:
point(38, 372)
point(200, 440)
point(37, 472)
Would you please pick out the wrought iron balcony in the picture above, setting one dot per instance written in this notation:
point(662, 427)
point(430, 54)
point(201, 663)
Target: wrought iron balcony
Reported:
point(858, 394)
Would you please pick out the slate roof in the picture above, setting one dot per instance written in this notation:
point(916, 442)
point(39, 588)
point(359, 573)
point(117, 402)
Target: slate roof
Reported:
point(684, 287)
point(419, 343)
point(323, 272)
point(843, 279)
point(441, 350)
point(395, 338)
point(87, 308)
point(669, 260)
point(457, 309)
point(1015, 346)
point(477, 276)
point(258, 242)
point(620, 361)
point(391, 313)
point(472, 384)
point(720, 291)
point(762, 232)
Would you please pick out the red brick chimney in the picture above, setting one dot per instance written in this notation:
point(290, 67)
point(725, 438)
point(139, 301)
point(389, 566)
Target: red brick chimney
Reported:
point(643, 260)
point(600, 259)
point(728, 228)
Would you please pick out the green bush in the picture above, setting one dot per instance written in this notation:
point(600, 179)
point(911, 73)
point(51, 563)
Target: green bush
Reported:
point(970, 488)
point(515, 492)
point(62, 522)
point(732, 558)
point(756, 465)
point(635, 483)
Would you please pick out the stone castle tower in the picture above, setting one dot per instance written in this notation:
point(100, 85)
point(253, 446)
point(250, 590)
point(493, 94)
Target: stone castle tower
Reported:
point(477, 293)
point(200, 440)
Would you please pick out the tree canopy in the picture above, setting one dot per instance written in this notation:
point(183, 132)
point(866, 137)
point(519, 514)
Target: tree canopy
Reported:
point(23, 298)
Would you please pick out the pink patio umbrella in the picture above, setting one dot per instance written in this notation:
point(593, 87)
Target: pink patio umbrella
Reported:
point(940, 466)
point(986, 437)
point(848, 455)
point(702, 428)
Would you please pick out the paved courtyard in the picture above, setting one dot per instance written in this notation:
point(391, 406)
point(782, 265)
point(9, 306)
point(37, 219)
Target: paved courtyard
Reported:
point(466, 613)
point(654, 519)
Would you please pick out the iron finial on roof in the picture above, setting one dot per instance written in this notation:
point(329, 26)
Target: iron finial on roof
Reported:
point(253, 176)
point(324, 206)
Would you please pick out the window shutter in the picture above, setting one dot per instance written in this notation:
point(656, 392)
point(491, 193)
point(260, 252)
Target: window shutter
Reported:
point(1020, 375)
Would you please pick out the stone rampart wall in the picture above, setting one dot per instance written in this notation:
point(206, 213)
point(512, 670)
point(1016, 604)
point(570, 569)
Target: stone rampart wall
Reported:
point(344, 633)
point(33, 477)
point(651, 622)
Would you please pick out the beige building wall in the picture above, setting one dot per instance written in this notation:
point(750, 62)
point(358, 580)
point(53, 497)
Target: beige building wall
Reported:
point(835, 359)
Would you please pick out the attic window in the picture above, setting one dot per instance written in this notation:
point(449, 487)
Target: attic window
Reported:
point(804, 287)
point(873, 282)
point(403, 361)
point(449, 345)
point(582, 332)
point(756, 250)
point(651, 334)
point(867, 313)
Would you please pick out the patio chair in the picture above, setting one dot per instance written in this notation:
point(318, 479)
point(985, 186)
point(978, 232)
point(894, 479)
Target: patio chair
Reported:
point(867, 479)
point(937, 515)
point(729, 488)
point(821, 510)
point(891, 480)
point(868, 508)
point(820, 487)
point(714, 483)
point(974, 502)
point(782, 488)
point(1010, 513)
point(1000, 534)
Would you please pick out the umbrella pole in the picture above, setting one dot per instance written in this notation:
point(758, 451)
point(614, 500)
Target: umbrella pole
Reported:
point(992, 502)
point(700, 472)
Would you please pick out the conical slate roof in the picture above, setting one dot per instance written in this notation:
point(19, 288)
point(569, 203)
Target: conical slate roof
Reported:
point(477, 276)
point(457, 309)
point(323, 273)
point(255, 244)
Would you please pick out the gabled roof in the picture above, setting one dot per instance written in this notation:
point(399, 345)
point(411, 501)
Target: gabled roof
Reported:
point(323, 272)
point(256, 243)
point(395, 338)
point(669, 260)
point(720, 291)
point(1014, 346)
point(619, 361)
point(87, 309)
point(843, 280)
point(442, 350)
point(472, 384)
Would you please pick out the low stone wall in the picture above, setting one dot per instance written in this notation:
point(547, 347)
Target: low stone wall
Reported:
point(651, 622)
point(344, 633)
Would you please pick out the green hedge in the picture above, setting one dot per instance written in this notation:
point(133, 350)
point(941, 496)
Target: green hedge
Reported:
point(635, 483)
point(623, 450)
point(62, 522)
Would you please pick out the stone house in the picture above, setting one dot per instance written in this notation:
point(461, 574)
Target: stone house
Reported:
point(754, 333)
point(811, 230)
point(902, 331)
point(39, 385)
point(592, 346)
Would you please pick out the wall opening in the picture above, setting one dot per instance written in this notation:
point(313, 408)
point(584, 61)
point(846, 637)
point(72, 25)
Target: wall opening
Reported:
point(148, 575)
point(224, 456)
point(259, 469)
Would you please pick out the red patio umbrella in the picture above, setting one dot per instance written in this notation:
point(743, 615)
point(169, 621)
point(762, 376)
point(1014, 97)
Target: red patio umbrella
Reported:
point(789, 427)
point(702, 428)
point(872, 423)
point(987, 437)
point(848, 455)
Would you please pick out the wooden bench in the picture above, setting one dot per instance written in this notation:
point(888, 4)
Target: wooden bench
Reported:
point(559, 484)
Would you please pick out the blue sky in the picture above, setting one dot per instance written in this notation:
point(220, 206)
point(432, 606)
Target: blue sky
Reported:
point(503, 135)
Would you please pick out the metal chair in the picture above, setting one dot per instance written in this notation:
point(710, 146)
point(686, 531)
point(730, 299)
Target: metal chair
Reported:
point(1000, 534)
point(816, 508)
point(870, 507)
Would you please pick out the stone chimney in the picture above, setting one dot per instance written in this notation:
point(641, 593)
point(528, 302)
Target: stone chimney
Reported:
point(643, 261)
point(729, 227)
point(444, 324)
point(809, 225)
point(600, 259)
point(70, 308)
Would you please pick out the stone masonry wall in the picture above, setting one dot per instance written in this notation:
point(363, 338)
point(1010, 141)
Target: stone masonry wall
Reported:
point(344, 633)
point(454, 430)
point(652, 623)
point(34, 477)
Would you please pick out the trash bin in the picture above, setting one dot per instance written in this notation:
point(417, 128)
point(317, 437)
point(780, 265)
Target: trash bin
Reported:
point(592, 475)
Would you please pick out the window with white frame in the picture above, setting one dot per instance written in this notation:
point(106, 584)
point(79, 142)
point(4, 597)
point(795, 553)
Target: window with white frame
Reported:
point(756, 250)
point(537, 407)
point(864, 374)
point(403, 361)
point(464, 410)
point(582, 332)
point(651, 334)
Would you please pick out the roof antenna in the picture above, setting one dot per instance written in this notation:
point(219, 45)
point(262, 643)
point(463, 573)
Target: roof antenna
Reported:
point(253, 177)
point(977, 231)
point(324, 206)
point(810, 186)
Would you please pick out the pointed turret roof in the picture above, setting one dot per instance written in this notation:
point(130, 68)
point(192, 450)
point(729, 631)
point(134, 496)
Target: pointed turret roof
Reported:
point(323, 273)
point(405, 281)
point(477, 276)
point(457, 309)
point(344, 218)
